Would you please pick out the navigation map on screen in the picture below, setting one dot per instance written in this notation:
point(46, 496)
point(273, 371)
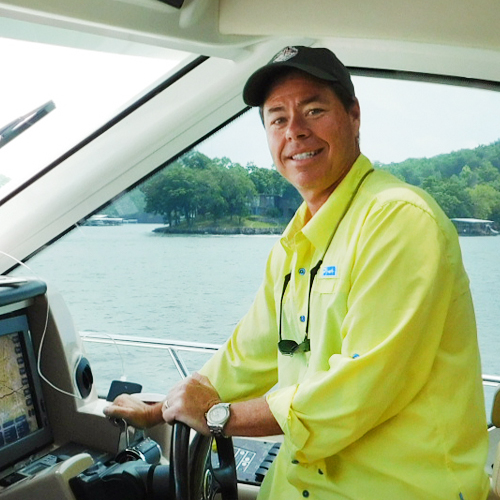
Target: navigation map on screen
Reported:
point(17, 410)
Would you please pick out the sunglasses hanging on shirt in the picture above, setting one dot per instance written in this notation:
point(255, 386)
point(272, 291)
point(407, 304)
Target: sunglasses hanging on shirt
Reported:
point(290, 347)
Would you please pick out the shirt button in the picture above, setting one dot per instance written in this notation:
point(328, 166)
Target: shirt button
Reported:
point(305, 493)
point(302, 318)
point(302, 271)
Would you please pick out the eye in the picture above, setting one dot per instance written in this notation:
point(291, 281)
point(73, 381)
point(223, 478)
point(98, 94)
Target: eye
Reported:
point(314, 111)
point(279, 120)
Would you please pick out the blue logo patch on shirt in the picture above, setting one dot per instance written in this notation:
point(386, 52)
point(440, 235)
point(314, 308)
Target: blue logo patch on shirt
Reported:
point(329, 272)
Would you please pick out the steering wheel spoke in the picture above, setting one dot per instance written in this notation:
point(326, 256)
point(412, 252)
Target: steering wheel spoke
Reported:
point(193, 475)
point(225, 473)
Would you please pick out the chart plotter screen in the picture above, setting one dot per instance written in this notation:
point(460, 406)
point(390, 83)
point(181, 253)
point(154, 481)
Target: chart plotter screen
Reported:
point(18, 416)
point(24, 425)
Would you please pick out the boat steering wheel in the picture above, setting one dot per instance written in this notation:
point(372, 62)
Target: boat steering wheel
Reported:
point(193, 474)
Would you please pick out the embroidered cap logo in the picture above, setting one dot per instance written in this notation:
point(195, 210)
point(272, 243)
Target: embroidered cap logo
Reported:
point(286, 54)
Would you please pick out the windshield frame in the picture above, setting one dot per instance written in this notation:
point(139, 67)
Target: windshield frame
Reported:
point(170, 80)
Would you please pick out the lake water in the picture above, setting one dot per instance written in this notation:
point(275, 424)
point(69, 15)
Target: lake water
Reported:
point(128, 280)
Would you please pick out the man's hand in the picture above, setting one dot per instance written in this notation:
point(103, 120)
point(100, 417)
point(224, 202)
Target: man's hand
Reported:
point(137, 413)
point(189, 400)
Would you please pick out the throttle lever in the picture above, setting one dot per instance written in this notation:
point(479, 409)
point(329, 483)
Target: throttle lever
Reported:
point(124, 439)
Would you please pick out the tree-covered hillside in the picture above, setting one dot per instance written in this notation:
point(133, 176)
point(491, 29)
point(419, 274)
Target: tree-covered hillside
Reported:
point(196, 185)
point(465, 183)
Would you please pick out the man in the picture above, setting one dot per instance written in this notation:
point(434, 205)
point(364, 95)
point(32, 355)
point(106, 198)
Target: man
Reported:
point(364, 320)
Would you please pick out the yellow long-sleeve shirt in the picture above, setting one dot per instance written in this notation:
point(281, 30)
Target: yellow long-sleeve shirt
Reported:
point(388, 403)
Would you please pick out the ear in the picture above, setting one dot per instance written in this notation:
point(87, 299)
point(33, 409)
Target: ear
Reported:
point(355, 115)
point(355, 111)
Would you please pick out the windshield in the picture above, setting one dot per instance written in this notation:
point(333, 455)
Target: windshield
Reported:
point(176, 258)
point(77, 91)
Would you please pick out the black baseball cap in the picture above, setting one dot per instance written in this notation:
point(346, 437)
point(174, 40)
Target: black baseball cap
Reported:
point(319, 62)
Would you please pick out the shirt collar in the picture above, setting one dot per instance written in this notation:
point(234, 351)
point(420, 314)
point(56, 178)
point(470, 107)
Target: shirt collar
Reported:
point(319, 228)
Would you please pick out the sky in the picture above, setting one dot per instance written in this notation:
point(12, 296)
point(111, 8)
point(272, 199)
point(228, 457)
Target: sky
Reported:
point(398, 119)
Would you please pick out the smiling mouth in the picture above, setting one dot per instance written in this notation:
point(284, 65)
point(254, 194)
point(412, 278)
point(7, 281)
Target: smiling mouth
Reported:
point(306, 155)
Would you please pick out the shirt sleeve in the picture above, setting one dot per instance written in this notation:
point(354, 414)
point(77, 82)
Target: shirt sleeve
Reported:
point(402, 282)
point(246, 365)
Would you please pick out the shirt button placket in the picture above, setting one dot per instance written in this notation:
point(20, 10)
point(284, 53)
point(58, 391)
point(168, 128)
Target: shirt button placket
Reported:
point(302, 272)
point(305, 493)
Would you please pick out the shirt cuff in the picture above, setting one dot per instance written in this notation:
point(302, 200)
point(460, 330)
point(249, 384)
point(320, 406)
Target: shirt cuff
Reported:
point(280, 404)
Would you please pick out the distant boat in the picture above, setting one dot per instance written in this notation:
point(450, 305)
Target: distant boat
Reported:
point(104, 220)
point(474, 227)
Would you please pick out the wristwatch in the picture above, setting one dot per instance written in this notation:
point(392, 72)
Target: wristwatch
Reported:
point(217, 418)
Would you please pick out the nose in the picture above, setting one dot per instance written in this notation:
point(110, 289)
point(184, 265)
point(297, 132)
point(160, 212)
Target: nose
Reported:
point(297, 127)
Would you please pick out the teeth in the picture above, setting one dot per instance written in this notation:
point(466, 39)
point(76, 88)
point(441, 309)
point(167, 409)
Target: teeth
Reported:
point(304, 156)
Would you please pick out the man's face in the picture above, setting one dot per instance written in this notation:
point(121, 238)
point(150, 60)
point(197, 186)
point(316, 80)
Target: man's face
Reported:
point(312, 138)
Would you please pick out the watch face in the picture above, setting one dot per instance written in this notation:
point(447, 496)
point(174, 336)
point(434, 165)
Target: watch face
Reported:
point(218, 413)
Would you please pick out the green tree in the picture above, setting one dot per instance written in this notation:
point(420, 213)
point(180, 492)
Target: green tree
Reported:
point(237, 190)
point(451, 194)
point(267, 181)
point(469, 177)
point(487, 173)
point(172, 194)
point(195, 160)
point(209, 196)
point(485, 201)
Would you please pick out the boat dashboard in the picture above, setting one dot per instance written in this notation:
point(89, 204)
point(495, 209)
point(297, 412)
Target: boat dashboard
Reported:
point(54, 437)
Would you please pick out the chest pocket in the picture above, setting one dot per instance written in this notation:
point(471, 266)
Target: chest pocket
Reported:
point(325, 285)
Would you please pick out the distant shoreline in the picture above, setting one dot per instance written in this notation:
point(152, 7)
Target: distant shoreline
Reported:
point(220, 230)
